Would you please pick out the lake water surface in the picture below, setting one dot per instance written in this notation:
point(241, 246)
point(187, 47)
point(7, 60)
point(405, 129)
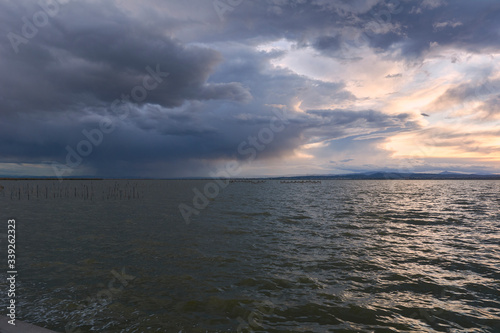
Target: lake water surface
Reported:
point(340, 256)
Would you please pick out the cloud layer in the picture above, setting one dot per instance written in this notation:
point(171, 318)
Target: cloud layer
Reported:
point(174, 88)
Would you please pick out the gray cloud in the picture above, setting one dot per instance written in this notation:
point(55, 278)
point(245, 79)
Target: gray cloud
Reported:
point(93, 54)
point(478, 90)
point(219, 89)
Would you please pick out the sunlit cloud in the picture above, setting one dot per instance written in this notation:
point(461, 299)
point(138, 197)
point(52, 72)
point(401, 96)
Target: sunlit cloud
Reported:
point(356, 90)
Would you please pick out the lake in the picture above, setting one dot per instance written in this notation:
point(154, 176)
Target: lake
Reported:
point(335, 256)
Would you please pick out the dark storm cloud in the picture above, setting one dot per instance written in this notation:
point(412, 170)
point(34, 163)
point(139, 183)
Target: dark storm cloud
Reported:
point(63, 79)
point(162, 143)
point(82, 81)
point(219, 90)
point(91, 54)
point(409, 27)
point(328, 43)
point(469, 25)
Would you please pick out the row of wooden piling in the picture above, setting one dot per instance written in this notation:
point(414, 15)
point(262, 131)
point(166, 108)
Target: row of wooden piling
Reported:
point(300, 182)
point(247, 181)
point(69, 190)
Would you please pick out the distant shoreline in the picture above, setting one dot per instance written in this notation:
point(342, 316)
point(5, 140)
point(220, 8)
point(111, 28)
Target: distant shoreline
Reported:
point(377, 176)
point(43, 178)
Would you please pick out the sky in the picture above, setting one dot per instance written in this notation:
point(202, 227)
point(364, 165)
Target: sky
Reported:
point(247, 88)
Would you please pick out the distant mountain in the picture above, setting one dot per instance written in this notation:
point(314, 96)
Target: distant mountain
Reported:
point(449, 173)
point(397, 175)
point(364, 175)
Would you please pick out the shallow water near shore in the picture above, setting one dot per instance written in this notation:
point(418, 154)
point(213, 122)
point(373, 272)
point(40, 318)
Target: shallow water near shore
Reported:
point(340, 256)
